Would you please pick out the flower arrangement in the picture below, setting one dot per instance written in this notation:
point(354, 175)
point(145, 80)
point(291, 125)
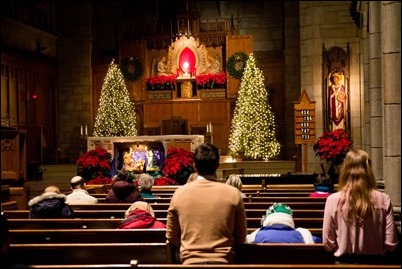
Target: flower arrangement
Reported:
point(208, 81)
point(160, 83)
point(94, 166)
point(332, 146)
point(177, 166)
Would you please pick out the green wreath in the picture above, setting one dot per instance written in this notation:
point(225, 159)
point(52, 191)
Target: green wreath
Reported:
point(236, 64)
point(131, 68)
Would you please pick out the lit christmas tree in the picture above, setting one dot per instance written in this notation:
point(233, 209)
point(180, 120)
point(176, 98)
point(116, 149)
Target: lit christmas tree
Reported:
point(253, 132)
point(116, 114)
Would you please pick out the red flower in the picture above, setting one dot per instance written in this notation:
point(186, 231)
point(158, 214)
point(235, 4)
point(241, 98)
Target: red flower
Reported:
point(161, 83)
point(178, 164)
point(332, 146)
point(94, 166)
point(163, 181)
point(208, 80)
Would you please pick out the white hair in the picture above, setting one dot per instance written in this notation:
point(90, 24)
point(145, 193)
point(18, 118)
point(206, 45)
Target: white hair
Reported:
point(235, 181)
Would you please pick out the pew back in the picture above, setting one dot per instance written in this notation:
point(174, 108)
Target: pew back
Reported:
point(90, 253)
point(87, 236)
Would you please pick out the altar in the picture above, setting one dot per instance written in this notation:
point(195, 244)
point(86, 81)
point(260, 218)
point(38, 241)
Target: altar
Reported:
point(142, 153)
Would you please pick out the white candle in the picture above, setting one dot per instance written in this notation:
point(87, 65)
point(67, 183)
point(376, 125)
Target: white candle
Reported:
point(86, 130)
point(208, 130)
point(82, 130)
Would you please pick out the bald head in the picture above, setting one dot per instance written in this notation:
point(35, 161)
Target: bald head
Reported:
point(77, 182)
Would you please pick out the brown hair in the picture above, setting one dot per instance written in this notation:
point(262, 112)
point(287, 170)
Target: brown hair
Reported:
point(356, 181)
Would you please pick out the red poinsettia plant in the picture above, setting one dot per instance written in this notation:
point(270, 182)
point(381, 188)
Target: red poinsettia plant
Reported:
point(178, 165)
point(94, 166)
point(160, 83)
point(210, 81)
point(332, 146)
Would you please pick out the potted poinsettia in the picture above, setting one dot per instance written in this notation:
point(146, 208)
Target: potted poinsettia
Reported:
point(211, 81)
point(332, 147)
point(178, 165)
point(94, 166)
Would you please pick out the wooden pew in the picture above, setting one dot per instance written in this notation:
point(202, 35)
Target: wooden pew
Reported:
point(309, 204)
point(278, 193)
point(252, 223)
point(87, 236)
point(96, 235)
point(279, 253)
point(10, 205)
point(92, 213)
point(134, 264)
point(90, 253)
point(282, 199)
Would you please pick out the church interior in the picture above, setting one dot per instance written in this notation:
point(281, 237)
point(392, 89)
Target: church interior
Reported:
point(326, 65)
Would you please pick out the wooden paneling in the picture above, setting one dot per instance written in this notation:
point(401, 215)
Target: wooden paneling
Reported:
point(99, 72)
point(154, 113)
point(187, 110)
point(236, 43)
point(135, 49)
point(29, 104)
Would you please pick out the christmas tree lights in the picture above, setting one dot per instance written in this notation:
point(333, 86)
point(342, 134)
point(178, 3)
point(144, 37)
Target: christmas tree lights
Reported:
point(116, 114)
point(253, 131)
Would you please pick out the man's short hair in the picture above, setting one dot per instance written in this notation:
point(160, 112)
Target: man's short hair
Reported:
point(206, 159)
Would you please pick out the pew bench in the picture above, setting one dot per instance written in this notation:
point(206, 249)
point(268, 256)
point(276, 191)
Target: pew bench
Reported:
point(90, 253)
point(309, 204)
point(92, 213)
point(25, 236)
point(104, 223)
point(135, 264)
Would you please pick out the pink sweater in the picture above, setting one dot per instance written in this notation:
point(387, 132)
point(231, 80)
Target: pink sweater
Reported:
point(378, 235)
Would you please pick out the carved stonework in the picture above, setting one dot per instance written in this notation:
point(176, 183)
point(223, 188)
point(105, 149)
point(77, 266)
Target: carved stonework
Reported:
point(199, 50)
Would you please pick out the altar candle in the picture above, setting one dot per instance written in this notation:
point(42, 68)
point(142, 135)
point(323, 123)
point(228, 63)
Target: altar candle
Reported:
point(208, 130)
point(82, 130)
point(86, 130)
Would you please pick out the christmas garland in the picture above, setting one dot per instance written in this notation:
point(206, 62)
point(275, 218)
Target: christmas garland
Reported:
point(236, 64)
point(131, 68)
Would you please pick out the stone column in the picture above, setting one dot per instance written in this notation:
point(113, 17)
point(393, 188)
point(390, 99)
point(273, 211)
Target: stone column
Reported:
point(364, 44)
point(375, 88)
point(391, 50)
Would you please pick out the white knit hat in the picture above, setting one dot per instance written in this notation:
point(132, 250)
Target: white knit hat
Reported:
point(278, 213)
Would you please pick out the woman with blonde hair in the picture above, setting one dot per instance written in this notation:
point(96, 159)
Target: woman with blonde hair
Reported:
point(235, 181)
point(358, 223)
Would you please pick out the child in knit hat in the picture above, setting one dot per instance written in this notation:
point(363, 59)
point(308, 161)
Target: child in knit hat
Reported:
point(278, 227)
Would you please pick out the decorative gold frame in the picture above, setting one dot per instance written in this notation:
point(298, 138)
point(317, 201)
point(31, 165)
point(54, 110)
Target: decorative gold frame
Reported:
point(335, 61)
point(199, 50)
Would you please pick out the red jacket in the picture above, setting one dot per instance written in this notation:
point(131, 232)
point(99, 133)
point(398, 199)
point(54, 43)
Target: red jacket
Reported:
point(140, 219)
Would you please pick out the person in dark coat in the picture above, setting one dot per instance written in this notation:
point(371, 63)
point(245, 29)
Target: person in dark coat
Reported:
point(50, 204)
point(124, 189)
